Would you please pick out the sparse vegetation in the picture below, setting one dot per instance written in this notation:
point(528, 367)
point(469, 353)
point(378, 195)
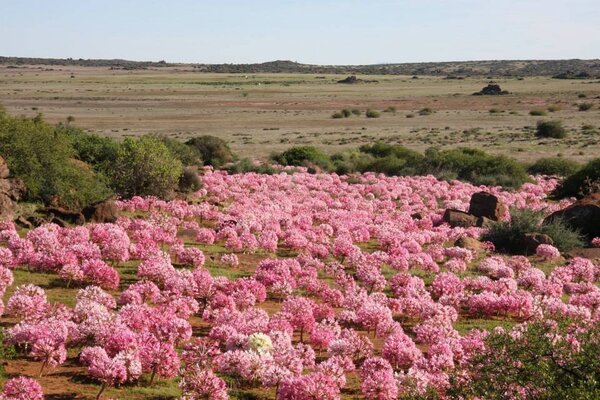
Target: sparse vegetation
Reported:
point(537, 113)
point(550, 129)
point(145, 167)
point(508, 236)
point(302, 156)
point(580, 182)
point(213, 150)
point(554, 166)
point(584, 106)
point(44, 157)
point(372, 114)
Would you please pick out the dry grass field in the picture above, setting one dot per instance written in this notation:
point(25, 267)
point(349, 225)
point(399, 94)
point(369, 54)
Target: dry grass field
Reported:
point(261, 113)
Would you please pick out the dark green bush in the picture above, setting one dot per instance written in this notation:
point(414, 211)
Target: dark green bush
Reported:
point(7, 352)
point(189, 181)
point(550, 129)
point(533, 364)
point(475, 166)
point(337, 115)
point(579, 183)
point(554, 166)
point(585, 106)
point(145, 167)
point(93, 149)
point(537, 113)
point(508, 236)
point(213, 150)
point(372, 114)
point(553, 108)
point(346, 112)
point(44, 157)
point(355, 111)
point(188, 155)
point(303, 156)
point(425, 111)
point(246, 165)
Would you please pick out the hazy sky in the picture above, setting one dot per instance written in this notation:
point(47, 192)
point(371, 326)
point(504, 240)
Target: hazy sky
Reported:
point(308, 31)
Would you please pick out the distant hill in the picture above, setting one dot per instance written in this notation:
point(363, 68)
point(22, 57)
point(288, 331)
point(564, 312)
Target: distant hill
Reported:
point(565, 69)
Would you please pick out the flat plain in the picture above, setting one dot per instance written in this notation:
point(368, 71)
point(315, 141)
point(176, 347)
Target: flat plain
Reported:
point(262, 113)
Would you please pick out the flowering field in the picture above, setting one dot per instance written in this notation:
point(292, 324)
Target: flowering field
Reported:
point(274, 286)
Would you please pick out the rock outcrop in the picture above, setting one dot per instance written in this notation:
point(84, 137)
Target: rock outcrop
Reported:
point(104, 211)
point(457, 218)
point(583, 215)
point(491, 90)
point(11, 190)
point(486, 205)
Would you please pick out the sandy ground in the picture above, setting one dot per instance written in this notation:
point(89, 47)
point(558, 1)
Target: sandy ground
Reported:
point(259, 114)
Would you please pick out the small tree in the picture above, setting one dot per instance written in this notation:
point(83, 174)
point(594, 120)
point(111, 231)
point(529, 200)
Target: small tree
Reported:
point(145, 167)
point(550, 129)
point(213, 150)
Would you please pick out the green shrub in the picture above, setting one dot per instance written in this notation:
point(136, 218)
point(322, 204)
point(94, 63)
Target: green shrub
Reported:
point(95, 150)
point(145, 167)
point(533, 364)
point(7, 352)
point(425, 111)
point(44, 157)
point(189, 181)
point(391, 109)
point(337, 115)
point(495, 111)
point(475, 166)
point(303, 156)
point(585, 106)
point(188, 155)
point(508, 235)
point(372, 114)
point(346, 112)
point(355, 111)
point(553, 166)
point(550, 129)
point(579, 183)
point(246, 165)
point(213, 150)
point(553, 108)
point(537, 113)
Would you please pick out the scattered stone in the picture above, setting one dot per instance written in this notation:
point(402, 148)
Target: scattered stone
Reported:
point(484, 204)
point(351, 79)
point(24, 223)
point(101, 212)
point(416, 216)
point(583, 215)
point(457, 218)
point(491, 90)
point(11, 190)
point(4, 171)
point(467, 242)
point(592, 253)
point(61, 215)
point(533, 240)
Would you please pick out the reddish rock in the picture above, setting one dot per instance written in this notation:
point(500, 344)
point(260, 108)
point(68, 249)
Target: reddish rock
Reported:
point(533, 240)
point(104, 211)
point(484, 204)
point(583, 215)
point(467, 242)
point(457, 218)
point(62, 216)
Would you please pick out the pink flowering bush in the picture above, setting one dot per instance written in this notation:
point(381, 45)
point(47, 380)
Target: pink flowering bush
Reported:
point(323, 275)
point(22, 388)
point(547, 252)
